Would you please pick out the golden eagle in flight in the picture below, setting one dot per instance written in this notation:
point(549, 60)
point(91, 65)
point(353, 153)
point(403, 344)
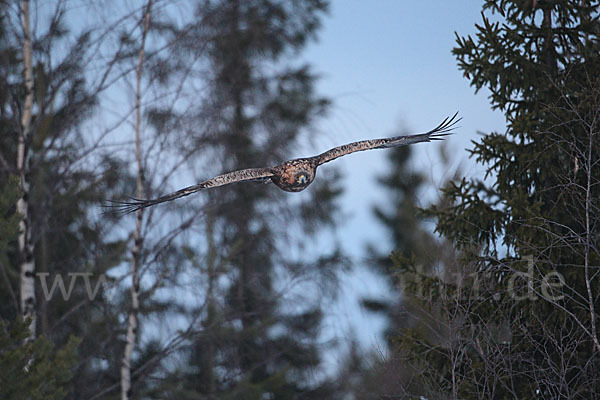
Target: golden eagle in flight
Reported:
point(293, 175)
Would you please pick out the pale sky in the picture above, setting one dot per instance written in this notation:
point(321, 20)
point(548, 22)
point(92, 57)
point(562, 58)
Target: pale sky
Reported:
point(388, 64)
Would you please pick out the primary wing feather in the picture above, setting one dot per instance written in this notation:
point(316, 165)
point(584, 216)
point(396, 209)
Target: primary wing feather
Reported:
point(443, 129)
point(126, 207)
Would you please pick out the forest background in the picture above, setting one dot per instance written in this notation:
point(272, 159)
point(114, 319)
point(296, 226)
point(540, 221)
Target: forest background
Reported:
point(492, 288)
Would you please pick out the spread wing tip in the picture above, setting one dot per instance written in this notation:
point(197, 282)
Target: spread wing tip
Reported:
point(121, 208)
point(447, 125)
point(445, 128)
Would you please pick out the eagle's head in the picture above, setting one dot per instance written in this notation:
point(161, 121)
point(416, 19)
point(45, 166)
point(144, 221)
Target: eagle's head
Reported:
point(294, 175)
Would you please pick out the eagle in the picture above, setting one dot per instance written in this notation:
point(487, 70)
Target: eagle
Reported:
point(292, 175)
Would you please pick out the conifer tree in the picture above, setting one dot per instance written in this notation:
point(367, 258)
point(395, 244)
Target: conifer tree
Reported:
point(401, 217)
point(517, 314)
point(258, 104)
point(9, 230)
point(411, 243)
point(414, 253)
point(34, 369)
point(29, 369)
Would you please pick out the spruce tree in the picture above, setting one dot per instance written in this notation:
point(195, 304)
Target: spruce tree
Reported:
point(517, 315)
point(34, 369)
point(414, 255)
point(255, 344)
point(411, 243)
point(28, 369)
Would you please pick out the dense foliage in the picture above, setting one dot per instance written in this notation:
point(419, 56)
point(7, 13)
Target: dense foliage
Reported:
point(515, 314)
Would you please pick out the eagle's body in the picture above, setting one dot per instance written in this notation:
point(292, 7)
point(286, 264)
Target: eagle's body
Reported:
point(294, 175)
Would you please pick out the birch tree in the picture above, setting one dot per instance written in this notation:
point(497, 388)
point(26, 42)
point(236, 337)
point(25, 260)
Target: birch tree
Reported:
point(27, 264)
point(132, 326)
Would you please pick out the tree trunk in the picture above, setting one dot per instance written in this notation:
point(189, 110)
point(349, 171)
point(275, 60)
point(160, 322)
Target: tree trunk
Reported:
point(27, 265)
point(132, 326)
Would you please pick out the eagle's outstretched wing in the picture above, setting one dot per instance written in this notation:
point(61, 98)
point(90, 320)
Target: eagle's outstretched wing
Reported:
point(443, 129)
point(126, 207)
point(285, 174)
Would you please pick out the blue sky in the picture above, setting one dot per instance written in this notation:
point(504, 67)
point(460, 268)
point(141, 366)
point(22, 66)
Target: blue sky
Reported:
point(386, 65)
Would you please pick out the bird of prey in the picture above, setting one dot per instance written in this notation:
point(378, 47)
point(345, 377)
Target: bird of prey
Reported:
point(293, 175)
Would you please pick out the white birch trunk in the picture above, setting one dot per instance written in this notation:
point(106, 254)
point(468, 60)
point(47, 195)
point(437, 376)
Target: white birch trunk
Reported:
point(132, 324)
point(27, 266)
